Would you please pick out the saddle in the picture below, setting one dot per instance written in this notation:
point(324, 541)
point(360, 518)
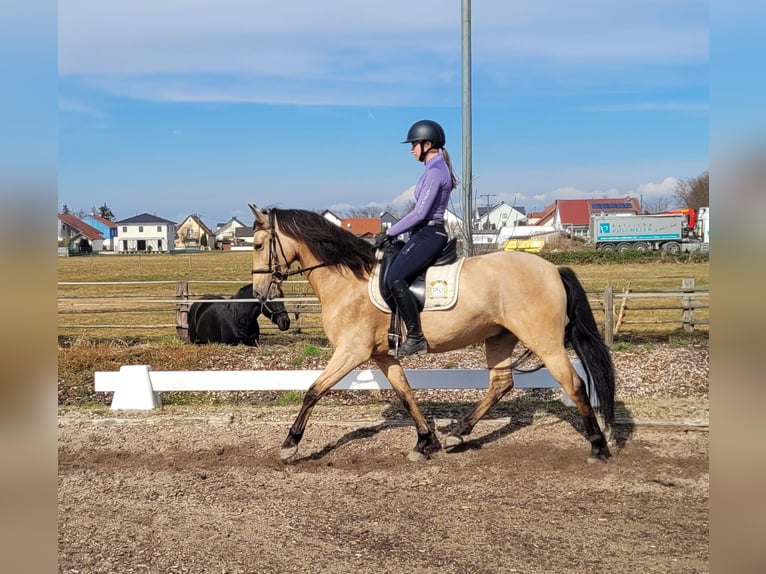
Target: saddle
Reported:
point(418, 286)
point(448, 256)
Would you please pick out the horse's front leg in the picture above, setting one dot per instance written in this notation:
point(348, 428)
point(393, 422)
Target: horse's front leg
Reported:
point(339, 365)
point(427, 443)
point(499, 359)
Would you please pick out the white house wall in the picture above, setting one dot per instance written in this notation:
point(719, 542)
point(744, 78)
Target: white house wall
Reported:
point(129, 235)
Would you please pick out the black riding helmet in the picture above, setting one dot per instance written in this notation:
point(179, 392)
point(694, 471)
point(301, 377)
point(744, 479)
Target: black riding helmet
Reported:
point(426, 130)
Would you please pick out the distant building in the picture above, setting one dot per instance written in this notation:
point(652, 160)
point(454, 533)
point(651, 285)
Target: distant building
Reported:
point(106, 227)
point(330, 216)
point(75, 236)
point(193, 233)
point(498, 216)
point(387, 219)
point(145, 233)
point(226, 233)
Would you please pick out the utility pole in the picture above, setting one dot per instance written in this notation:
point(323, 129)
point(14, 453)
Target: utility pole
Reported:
point(487, 195)
point(467, 160)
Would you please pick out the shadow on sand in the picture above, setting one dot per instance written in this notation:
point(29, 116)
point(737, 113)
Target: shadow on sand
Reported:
point(521, 412)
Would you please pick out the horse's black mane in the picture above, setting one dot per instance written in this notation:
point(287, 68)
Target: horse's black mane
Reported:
point(329, 243)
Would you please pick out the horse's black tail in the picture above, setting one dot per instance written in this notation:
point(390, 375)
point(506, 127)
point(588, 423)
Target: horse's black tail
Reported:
point(581, 331)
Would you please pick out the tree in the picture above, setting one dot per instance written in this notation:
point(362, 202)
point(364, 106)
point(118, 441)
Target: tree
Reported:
point(657, 205)
point(65, 209)
point(105, 212)
point(695, 191)
point(363, 212)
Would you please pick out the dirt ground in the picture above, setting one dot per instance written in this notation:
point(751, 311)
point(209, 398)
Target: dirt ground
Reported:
point(184, 489)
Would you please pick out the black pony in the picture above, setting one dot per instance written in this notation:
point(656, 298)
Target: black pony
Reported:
point(233, 323)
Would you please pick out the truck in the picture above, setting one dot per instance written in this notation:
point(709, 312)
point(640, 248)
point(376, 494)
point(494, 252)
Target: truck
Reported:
point(674, 231)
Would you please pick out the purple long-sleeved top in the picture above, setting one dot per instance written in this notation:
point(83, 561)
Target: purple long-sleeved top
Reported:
point(431, 197)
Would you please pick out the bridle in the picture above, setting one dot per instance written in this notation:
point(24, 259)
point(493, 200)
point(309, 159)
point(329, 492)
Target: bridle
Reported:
point(278, 272)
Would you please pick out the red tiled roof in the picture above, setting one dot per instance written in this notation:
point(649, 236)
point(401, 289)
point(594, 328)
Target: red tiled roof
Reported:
point(361, 225)
point(578, 211)
point(80, 226)
point(103, 220)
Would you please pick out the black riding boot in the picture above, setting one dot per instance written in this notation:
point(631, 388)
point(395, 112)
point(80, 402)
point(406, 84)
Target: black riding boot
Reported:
point(416, 343)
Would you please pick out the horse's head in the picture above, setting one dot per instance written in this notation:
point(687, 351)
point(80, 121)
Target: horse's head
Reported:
point(272, 254)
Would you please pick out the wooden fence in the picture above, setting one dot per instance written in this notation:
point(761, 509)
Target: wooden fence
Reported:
point(168, 303)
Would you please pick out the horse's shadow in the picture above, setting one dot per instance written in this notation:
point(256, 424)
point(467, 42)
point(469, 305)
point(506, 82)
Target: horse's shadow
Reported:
point(520, 413)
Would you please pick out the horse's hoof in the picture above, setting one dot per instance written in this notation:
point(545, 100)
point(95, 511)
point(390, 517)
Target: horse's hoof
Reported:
point(416, 456)
point(597, 459)
point(452, 441)
point(287, 452)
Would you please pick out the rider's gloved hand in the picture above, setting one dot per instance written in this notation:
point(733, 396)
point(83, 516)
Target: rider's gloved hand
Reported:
point(382, 241)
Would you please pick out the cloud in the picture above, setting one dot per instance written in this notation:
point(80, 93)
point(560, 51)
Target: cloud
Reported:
point(349, 51)
point(666, 187)
point(405, 197)
point(75, 106)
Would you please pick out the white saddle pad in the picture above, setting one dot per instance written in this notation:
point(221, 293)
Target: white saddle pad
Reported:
point(441, 287)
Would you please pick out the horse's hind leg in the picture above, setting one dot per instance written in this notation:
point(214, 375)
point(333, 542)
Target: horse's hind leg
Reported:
point(499, 350)
point(561, 368)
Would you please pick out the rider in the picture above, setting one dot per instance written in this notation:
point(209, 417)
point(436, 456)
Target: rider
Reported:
point(425, 222)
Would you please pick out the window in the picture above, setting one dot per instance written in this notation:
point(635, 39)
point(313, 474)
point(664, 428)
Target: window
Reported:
point(140, 228)
point(124, 228)
point(159, 228)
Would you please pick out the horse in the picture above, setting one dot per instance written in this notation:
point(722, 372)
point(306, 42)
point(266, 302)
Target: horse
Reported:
point(505, 297)
point(233, 323)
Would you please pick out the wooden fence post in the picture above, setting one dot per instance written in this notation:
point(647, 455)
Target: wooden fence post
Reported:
point(608, 315)
point(687, 303)
point(182, 310)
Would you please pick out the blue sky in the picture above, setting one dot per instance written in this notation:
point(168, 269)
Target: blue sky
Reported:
point(202, 106)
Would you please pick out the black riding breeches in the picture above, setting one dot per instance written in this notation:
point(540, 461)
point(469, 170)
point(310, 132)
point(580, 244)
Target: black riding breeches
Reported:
point(423, 248)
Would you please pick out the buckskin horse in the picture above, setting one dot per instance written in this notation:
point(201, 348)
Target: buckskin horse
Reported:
point(505, 297)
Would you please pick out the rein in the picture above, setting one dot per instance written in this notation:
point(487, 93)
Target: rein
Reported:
point(275, 267)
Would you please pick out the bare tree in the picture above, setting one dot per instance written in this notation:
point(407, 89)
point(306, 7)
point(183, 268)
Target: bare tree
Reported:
point(363, 212)
point(657, 205)
point(695, 191)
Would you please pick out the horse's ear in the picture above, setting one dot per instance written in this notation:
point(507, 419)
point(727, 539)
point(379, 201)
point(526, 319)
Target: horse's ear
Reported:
point(260, 216)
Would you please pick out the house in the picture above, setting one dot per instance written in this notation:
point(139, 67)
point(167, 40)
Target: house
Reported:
point(573, 215)
point(106, 227)
point(76, 236)
point(145, 233)
point(498, 216)
point(244, 236)
point(330, 216)
point(193, 233)
point(364, 227)
point(387, 219)
point(226, 233)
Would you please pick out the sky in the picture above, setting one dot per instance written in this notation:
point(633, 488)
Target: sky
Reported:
point(202, 106)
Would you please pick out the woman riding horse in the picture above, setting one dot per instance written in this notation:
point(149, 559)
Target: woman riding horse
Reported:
point(504, 297)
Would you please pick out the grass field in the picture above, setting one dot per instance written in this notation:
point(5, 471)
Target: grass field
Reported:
point(148, 310)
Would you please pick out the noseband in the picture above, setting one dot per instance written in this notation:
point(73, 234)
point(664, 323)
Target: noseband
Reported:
point(275, 268)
